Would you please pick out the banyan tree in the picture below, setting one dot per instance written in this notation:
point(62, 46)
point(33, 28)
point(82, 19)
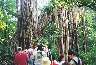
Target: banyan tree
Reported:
point(27, 22)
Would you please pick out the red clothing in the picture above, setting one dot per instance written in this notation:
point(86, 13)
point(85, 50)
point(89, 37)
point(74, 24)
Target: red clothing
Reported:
point(54, 63)
point(21, 59)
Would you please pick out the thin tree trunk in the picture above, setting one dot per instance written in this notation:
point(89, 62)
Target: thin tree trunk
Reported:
point(85, 36)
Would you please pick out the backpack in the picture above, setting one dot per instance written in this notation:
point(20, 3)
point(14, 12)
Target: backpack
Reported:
point(76, 62)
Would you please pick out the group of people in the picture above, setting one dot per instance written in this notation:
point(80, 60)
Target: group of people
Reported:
point(42, 56)
point(31, 56)
point(72, 59)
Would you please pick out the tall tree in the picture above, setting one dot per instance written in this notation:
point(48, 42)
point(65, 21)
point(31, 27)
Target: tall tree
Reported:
point(25, 24)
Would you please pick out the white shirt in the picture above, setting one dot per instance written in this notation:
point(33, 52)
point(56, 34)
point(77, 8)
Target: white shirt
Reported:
point(76, 59)
point(61, 62)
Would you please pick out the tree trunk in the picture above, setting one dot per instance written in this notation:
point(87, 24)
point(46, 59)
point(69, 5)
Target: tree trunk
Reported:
point(85, 35)
point(25, 23)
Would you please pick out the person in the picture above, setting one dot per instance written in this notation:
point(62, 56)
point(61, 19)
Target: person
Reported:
point(45, 49)
point(38, 57)
point(65, 63)
point(40, 47)
point(54, 62)
point(31, 56)
point(49, 54)
point(61, 59)
point(45, 61)
point(20, 57)
point(74, 60)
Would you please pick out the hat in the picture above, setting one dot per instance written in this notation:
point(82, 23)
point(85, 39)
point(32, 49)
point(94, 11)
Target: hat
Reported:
point(46, 61)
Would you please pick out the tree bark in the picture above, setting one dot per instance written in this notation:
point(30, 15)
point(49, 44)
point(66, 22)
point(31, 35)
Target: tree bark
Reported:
point(25, 23)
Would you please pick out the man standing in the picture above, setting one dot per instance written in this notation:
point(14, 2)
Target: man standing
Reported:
point(74, 60)
point(20, 57)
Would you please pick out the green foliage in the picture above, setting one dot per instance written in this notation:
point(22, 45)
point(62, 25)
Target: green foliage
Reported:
point(6, 54)
point(89, 57)
point(7, 30)
point(50, 36)
point(70, 3)
point(48, 9)
point(8, 7)
point(55, 53)
point(7, 19)
point(90, 30)
point(2, 25)
point(87, 25)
